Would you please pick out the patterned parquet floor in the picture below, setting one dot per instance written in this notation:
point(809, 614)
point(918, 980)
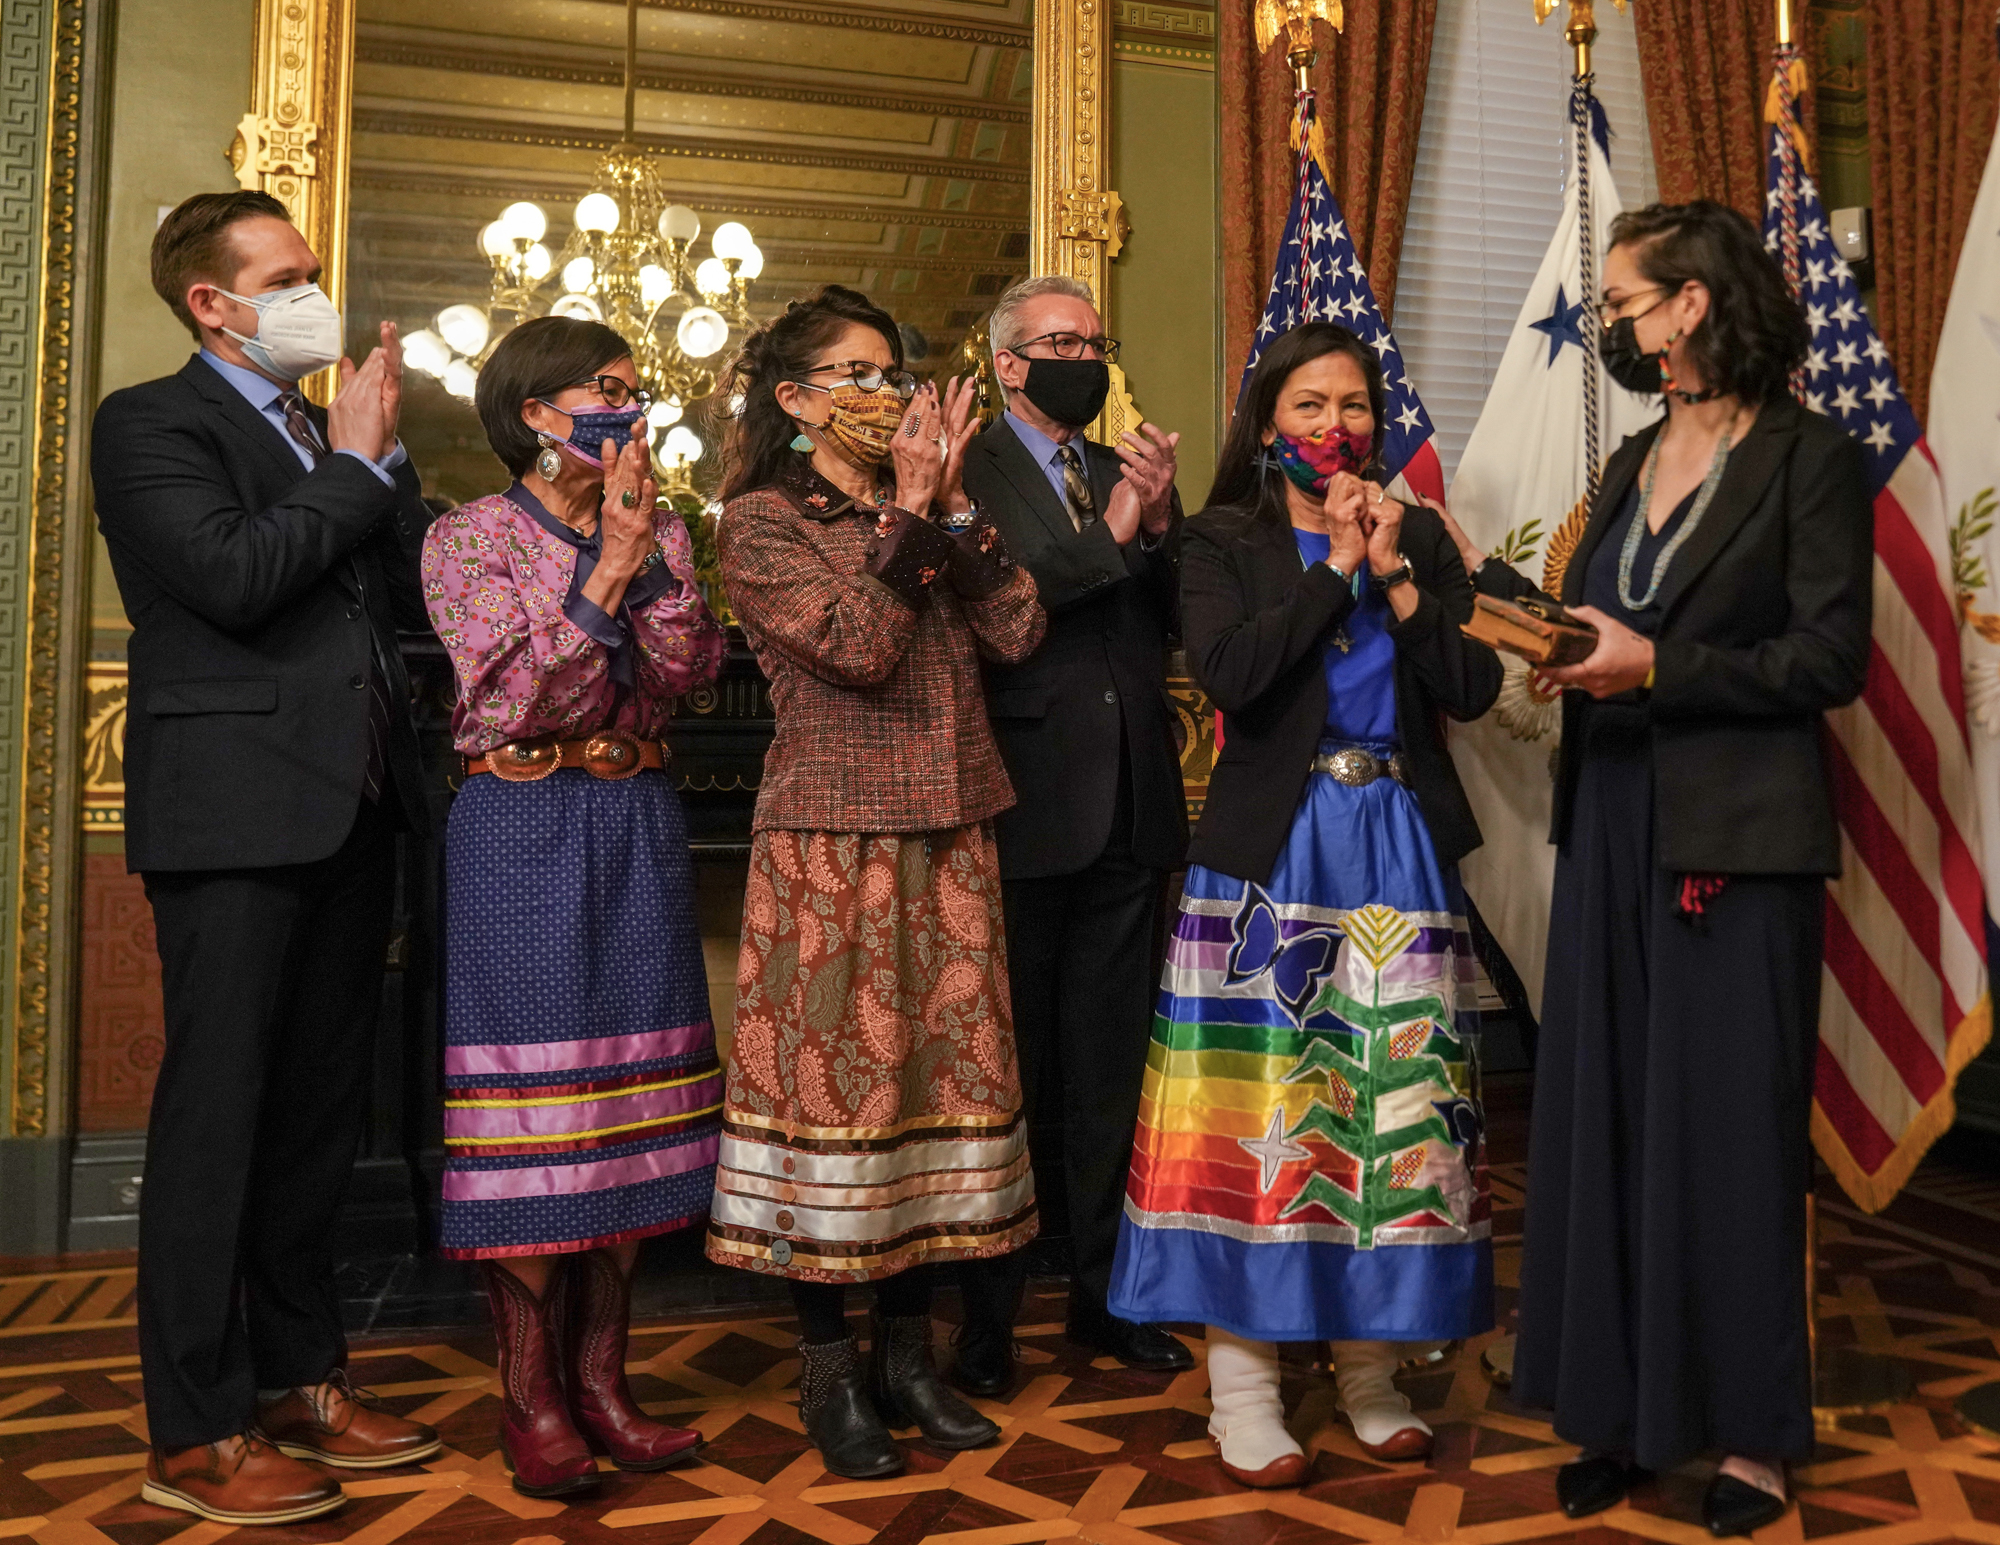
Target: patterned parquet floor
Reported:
point(1089, 1452)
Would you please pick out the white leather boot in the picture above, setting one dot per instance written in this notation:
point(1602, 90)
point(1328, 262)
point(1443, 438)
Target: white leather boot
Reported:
point(1383, 1422)
point(1248, 1424)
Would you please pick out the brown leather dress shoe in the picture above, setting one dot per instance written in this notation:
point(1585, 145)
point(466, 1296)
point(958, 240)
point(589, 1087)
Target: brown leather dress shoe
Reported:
point(337, 1424)
point(239, 1480)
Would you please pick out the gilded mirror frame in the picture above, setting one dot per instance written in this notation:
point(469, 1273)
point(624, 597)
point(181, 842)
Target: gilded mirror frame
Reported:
point(293, 143)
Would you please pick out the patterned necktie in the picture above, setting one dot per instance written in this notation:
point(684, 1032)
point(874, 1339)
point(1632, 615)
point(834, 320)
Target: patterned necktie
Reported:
point(1076, 488)
point(375, 765)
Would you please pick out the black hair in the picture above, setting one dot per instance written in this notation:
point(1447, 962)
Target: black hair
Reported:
point(193, 244)
point(1754, 335)
point(757, 446)
point(1244, 475)
point(538, 359)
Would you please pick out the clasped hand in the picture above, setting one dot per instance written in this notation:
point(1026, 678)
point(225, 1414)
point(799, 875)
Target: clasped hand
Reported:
point(1362, 522)
point(928, 454)
point(362, 416)
point(625, 519)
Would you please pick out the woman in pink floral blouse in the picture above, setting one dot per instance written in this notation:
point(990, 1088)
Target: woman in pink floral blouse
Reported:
point(582, 1091)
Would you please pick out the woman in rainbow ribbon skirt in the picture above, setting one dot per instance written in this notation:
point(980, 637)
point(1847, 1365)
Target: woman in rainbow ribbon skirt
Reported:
point(1309, 1161)
point(582, 1093)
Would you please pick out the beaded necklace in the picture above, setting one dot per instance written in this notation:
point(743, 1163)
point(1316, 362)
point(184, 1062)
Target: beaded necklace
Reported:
point(1636, 532)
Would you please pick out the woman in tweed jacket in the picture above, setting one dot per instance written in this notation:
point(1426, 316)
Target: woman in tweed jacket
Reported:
point(872, 1121)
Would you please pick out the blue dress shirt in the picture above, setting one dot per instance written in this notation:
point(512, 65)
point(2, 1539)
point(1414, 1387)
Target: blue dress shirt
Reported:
point(1047, 454)
point(262, 393)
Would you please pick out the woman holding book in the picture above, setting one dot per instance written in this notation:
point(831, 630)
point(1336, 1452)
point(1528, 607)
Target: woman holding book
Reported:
point(1309, 1163)
point(1726, 567)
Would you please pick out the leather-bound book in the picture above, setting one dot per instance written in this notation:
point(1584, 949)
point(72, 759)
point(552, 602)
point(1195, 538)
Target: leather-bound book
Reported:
point(1538, 631)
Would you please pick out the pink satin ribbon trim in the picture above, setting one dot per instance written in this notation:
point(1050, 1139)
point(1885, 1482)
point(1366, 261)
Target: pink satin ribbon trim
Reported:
point(491, 1185)
point(603, 1051)
point(580, 1116)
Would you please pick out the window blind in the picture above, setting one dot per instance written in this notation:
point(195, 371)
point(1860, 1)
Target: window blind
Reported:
point(1488, 188)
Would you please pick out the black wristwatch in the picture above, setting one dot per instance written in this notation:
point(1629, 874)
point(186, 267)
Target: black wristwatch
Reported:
point(1396, 576)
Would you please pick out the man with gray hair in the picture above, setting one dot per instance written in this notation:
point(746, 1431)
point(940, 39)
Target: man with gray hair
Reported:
point(1087, 734)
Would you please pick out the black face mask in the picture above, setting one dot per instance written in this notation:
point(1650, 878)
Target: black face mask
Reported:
point(1625, 362)
point(1070, 391)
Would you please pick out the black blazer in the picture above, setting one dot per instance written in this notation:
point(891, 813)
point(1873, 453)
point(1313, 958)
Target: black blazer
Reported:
point(1255, 618)
point(253, 589)
point(1101, 666)
point(1765, 620)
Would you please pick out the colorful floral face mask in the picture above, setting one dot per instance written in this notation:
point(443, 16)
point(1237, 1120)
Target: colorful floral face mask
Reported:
point(1311, 461)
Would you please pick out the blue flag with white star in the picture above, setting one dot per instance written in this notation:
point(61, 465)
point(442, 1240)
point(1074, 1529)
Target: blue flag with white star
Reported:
point(1319, 278)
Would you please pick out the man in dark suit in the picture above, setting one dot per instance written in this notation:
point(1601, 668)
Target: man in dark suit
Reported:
point(266, 552)
point(1086, 731)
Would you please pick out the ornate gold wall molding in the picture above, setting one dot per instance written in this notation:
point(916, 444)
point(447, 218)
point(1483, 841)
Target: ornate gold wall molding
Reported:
point(862, 17)
point(45, 916)
point(1079, 224)
point(293, 143)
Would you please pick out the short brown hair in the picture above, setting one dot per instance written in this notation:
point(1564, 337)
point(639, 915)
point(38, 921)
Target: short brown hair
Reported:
point(192, 244)
point(538, 359)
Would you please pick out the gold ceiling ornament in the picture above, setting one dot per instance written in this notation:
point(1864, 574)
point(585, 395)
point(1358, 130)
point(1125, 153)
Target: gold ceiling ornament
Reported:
point(1581, 31)
point(1295, 19)
point(628, 263)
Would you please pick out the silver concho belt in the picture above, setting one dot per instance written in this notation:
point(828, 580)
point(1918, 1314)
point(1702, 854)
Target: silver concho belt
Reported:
point(1354, 766)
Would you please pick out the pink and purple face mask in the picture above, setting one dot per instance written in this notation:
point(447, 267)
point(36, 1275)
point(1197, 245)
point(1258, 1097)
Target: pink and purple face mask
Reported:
point(1311, 461)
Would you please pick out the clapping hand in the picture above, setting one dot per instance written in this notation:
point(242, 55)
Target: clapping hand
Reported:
point(626, 516)
point(1149, 458)
point(916, 454)
point(960, 423)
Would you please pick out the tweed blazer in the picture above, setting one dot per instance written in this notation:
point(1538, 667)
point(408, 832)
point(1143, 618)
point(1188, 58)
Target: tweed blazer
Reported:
point(881, 715)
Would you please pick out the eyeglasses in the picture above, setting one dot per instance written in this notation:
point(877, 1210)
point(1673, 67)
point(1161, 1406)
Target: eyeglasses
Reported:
point(616, 391)
point(1071, 346)
point(1609, 311)
point(869, 377)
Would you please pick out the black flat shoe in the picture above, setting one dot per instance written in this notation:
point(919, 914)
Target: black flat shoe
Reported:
point(1586, 1486)
point(1145, 1347)
point(985, 1362)
point(1730, 1506)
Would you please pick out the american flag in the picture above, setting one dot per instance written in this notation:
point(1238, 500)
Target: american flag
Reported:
point(1903, 992)
point(1319, 278)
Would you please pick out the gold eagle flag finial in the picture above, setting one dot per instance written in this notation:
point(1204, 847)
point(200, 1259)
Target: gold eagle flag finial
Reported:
point(1295, 18)
point(1582, 29)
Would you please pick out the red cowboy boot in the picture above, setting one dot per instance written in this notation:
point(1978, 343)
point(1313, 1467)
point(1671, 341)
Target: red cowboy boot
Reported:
point(600, 1401)
point(543, 1447)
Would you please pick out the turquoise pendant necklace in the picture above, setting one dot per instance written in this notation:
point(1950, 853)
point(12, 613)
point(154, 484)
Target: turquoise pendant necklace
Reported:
point(1636, 532)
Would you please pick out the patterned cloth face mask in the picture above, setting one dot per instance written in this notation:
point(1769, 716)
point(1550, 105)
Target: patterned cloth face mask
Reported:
point(1310, 461)
point(589, 428)
point(862, 425)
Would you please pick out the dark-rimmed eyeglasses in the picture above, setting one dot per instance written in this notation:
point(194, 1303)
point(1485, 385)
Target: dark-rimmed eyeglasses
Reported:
point(616, 391)
point(869, 377)
point(1609, 311)
point(1071, 346)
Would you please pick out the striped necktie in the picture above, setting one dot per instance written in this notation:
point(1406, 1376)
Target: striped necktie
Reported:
point(375, 765)
point(1076, 488)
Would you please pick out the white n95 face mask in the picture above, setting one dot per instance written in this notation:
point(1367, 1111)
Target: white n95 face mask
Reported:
point(298, 331)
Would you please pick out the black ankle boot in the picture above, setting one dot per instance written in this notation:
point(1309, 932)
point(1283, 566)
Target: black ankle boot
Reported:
point(835, 1410)
point(906, 1388)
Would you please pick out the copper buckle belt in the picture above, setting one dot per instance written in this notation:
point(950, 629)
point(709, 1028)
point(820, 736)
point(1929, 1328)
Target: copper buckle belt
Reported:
point(1356, 767)
point(602, 756)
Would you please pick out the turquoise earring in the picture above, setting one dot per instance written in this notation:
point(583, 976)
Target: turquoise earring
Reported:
point(801, 444)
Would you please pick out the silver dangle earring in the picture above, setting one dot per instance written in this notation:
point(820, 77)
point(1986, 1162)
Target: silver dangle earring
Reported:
point(549, 463)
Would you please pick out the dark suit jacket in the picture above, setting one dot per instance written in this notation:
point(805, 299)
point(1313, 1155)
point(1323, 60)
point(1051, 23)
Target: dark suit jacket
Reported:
point(253, 590)
point(1256, 620)
point(1765, 619)
point(1101, 666)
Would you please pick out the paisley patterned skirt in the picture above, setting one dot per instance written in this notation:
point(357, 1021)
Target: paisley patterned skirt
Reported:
point(872, 1117)
point(1309, 1160)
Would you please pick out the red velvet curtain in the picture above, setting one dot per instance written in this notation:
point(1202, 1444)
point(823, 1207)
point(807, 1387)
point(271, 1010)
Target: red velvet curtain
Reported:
point(1370, 81)
point(1705, 65)
point(1933, 90)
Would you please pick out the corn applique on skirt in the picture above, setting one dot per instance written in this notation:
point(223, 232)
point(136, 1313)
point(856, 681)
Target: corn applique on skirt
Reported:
point(872, 1119)
point(582, 1094)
